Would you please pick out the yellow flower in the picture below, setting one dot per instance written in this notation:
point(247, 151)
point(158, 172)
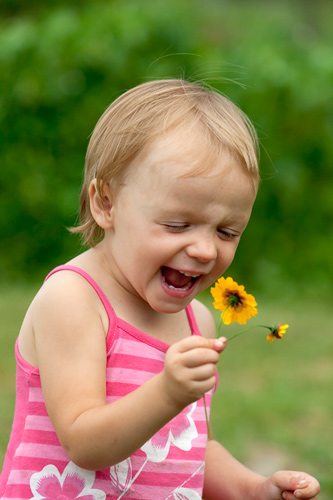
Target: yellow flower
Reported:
point(277, 332)
point(233, 301)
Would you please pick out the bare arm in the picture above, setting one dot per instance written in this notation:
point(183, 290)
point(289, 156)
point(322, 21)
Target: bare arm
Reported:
point(227, 478)
point(70, 347)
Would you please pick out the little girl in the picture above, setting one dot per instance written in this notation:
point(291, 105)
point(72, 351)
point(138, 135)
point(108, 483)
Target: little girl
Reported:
point(115, 354)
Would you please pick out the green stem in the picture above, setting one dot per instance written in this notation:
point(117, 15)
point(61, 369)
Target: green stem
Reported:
point(246, 330)
point(209, 430)
point(219, 327)
point(221, 319)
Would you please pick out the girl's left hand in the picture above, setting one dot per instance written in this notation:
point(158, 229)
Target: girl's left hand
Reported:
point(290, 485)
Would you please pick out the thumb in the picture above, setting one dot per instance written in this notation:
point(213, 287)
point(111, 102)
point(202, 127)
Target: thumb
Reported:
point(289, 480)
point(220, 344)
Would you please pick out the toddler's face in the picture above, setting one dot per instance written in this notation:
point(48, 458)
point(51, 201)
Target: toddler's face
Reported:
point(173, 236)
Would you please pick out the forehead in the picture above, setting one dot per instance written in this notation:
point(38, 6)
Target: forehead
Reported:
point(164, 180)
point(186, 154)
point(188, 146)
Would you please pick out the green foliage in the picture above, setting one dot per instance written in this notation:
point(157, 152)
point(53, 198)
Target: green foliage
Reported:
point(62, 63)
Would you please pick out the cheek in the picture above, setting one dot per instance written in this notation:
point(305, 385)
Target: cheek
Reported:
point(227, 256)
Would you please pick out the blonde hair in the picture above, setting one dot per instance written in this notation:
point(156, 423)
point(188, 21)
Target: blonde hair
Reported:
point(146, 112)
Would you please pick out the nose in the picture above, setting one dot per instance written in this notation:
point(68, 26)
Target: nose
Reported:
point(203, 248)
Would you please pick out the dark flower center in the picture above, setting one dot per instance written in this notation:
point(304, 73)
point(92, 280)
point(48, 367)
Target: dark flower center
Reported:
point(276, 332)
point(233, 298)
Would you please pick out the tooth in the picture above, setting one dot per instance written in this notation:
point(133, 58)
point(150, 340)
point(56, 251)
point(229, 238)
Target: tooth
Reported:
point(191, 275)
point(183, 289)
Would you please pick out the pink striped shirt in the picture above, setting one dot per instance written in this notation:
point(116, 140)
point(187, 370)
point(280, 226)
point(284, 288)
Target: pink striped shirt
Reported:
point(169, 466)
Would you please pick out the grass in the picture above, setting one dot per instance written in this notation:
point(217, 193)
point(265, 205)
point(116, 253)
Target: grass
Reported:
point(273, 406)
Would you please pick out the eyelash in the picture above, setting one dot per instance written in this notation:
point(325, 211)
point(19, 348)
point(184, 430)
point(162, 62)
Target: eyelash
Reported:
point(226, 234)
point(176, 227)
point(182, 227)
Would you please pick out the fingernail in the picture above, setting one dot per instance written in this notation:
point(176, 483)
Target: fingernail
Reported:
point(302, 481)
point(218, 344)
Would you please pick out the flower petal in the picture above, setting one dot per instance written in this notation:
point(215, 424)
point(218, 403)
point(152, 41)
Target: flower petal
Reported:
point(49, 487)
point(73, 485)
point(233, 301)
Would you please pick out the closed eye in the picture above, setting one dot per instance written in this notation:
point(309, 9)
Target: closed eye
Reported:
point(223, 233)
point(176, 228)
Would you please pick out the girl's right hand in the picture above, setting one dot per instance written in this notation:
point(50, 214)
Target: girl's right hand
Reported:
point(190, 368)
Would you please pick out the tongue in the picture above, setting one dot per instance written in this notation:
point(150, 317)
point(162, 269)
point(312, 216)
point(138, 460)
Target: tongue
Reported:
point(175, 278)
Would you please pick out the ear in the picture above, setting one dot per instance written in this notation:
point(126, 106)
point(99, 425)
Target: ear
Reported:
point(101, 205)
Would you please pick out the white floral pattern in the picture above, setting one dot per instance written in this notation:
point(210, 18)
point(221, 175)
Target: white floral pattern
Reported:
point(77, 484)
point(179, 431)
point(74, 483)
point(185, 494)
point(121, 474)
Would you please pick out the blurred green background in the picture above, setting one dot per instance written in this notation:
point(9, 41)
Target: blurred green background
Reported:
point(63, 62)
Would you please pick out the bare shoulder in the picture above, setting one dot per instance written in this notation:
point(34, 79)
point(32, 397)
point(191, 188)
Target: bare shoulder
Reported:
point(68, 294)
point(204, 319)
point(65, 284)
point(63, 309)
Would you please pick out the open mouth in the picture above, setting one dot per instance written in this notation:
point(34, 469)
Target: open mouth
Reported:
point(176, 280)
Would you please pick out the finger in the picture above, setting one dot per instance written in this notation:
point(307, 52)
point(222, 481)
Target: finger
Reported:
point(204, 372)
point(298, 494)
point(224, 342)
point(304, 486)
point(296, 484)
point(200, 356)
point(195, 341)
point(203, 386)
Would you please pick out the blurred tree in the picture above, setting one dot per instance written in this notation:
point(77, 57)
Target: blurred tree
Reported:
point(63, 63)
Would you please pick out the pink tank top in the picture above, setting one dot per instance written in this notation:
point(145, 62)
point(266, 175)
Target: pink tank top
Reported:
point(168, 466)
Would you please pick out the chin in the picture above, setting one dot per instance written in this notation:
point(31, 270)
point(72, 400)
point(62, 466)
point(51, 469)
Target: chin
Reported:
point(170, 308)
